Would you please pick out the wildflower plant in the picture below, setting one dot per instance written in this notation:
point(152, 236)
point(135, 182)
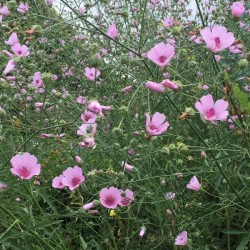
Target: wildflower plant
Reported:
point(124, 124)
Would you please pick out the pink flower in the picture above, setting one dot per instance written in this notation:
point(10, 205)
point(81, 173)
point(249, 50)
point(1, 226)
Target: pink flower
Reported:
point(95, 107)
point(161, 54)
point(57, 182)
point(3, 185)
point(127, 89)
point(88, 142)
point(72, 177)
point(23, 8)
point(169, 84)
point(25, 166)
point(89, 206)
point(181, 239)
point(203, 154)
point(127, 167)
point(37, 80)
point(88, 117)
point(9, 67)
point(170, 196)
point(168, 22)
point(81, 99)
point(92, 73)
point(217, 58)
point(156, 87)
point(238, 9)
point(217, 38)
point(158, 125)
point(20, 50)
point(45, 136)
point(142, 231)
point(110, 197)
point(4, 11)
point(87, 129)
point(127, 199)
point(211, 111)
point(112, 31)
point(194, 184)
point(12, 39)
point(78, 159)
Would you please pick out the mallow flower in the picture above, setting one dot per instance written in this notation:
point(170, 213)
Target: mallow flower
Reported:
point(157, 125)
point(217, 38)
point(211, 111)
point(161, 54)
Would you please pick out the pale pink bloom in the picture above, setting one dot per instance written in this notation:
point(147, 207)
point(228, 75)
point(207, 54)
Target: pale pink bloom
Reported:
point(211, 10)
point(37, 80)
point(242, 24)
point(169, 212)
point(95, 107)
point(88, 142)
point(3, 185)
point(217, 38)
point(57, 182)
point(203, 154)
point(92, 73)
point(181, 239)
point(217, 58)
point(45, 136)
point(238, 9)
point(110, 197)
point(7, 53)
point(194, 184)
point(168, 22)
point(20, 50)
point(23, 8)
point(142, 231)
point(25, 166)
point(131, 151)
point(197, 40)
point(4, 11)
point(158, 125)
point(127, 89)
point(236, 49)
point(89, 206)
point(166, 74)
point(78, 159)
point(127, 166)
point(211, 111)
point(9, 67)
point(161, 54)
point(81, 10)
point(127, 199)
point(205, 87)
point(81, 99)
point(170, 196)
point(169, 84)
point(156, 87)
point(112, 31)
point(49, 2)
point(88, 117)
point(12, 39)
point(247, 88)
point(87, 129)
point(39, 104)
point(54, 77)
point(72, 177)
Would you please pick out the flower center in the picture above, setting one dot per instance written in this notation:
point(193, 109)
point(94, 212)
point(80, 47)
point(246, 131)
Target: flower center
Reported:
point(110, 200)
point(19, 52)
point(75, 181)
point(210, 113)
point(162, 59)
point(153, 127)
point(24, 172)
point(217, 41)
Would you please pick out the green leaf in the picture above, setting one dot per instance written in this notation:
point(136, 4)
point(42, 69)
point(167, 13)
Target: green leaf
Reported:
point(242, 99)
